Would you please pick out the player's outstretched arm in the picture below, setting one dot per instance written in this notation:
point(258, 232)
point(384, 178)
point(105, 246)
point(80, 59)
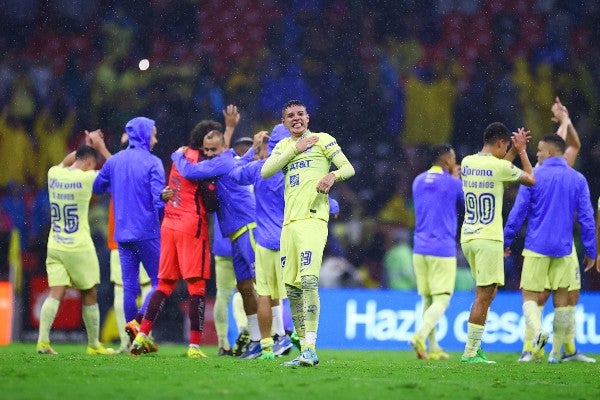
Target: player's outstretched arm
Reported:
point(206, 169)
point(232, 119)
point(566, 130)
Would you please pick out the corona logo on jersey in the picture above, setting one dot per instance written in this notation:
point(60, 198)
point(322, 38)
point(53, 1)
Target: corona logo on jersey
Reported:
point(377, 319)
point(56, 184)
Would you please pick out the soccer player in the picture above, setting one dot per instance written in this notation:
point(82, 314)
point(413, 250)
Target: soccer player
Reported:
point(136, 181)
point(185, 252)
point(236, 215)
point(483, 176)
point(559, 190)
point(72, 259)
point(269, 218)
point(434, 250)
point(305, 159)
point(567, 131)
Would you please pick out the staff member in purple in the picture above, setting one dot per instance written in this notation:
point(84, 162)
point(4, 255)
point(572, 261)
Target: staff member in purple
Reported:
point(550, 207)
point(438, 199)
point(136, 180)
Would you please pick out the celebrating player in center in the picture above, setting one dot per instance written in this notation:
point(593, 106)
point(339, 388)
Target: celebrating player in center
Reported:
point(305, 159)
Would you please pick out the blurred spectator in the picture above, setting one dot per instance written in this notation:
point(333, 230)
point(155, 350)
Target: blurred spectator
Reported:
point(337, 272)
point(430, 98)
point(22, 101)
point(535, 90)
point(397, 262)
point(52, 127)
point(16, 150)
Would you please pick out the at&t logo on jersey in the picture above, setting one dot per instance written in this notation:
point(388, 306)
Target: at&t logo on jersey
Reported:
point(297, 165)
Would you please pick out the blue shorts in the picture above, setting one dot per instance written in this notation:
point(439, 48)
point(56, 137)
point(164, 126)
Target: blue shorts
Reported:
point(242, 251)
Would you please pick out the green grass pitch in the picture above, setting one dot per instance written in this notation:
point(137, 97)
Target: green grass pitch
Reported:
point(347, 374)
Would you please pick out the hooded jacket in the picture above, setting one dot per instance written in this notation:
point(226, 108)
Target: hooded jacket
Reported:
point(135, 178)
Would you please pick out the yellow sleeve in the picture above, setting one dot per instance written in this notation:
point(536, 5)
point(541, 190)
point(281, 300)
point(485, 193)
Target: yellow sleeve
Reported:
point(277, 160)
point(344, 169)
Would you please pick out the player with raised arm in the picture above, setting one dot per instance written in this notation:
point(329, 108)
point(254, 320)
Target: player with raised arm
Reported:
point(72, 260)
point(559, 190)
point(567, 131)
point(483, 176)
point(305, 159)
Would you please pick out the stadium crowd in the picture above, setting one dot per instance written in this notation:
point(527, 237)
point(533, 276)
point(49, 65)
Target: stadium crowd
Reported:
point(388, 78)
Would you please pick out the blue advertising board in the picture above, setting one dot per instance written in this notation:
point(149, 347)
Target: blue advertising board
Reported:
point(383, 319)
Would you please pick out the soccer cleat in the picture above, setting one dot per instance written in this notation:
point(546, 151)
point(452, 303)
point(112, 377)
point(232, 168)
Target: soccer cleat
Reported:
point(577, 356)
point(525, 357)
point(252, 351)
point(132, 328)
point(142, 344)
point(537, 357)
point(195, 352)
point(267, 355)
point(44, 348)
point(481, 354)
point(418, 345)
point(308, 357)
point(539, 342)
point(223, 352)
point(553, 359)
point(295, 339)
point(100, 350)
point(478, 358)
point(241, 343)
point(438, 355)
point(292, 363)
point(282, 345)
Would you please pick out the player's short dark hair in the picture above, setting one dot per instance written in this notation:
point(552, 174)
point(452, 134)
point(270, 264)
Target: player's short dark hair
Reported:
point(291, 103)
point(201, 129)
point(244, 140)
point(438, 150)
point(84, 152)
point(215, 134)
point(241, 145)
point(494, 132)
point(556, 141)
